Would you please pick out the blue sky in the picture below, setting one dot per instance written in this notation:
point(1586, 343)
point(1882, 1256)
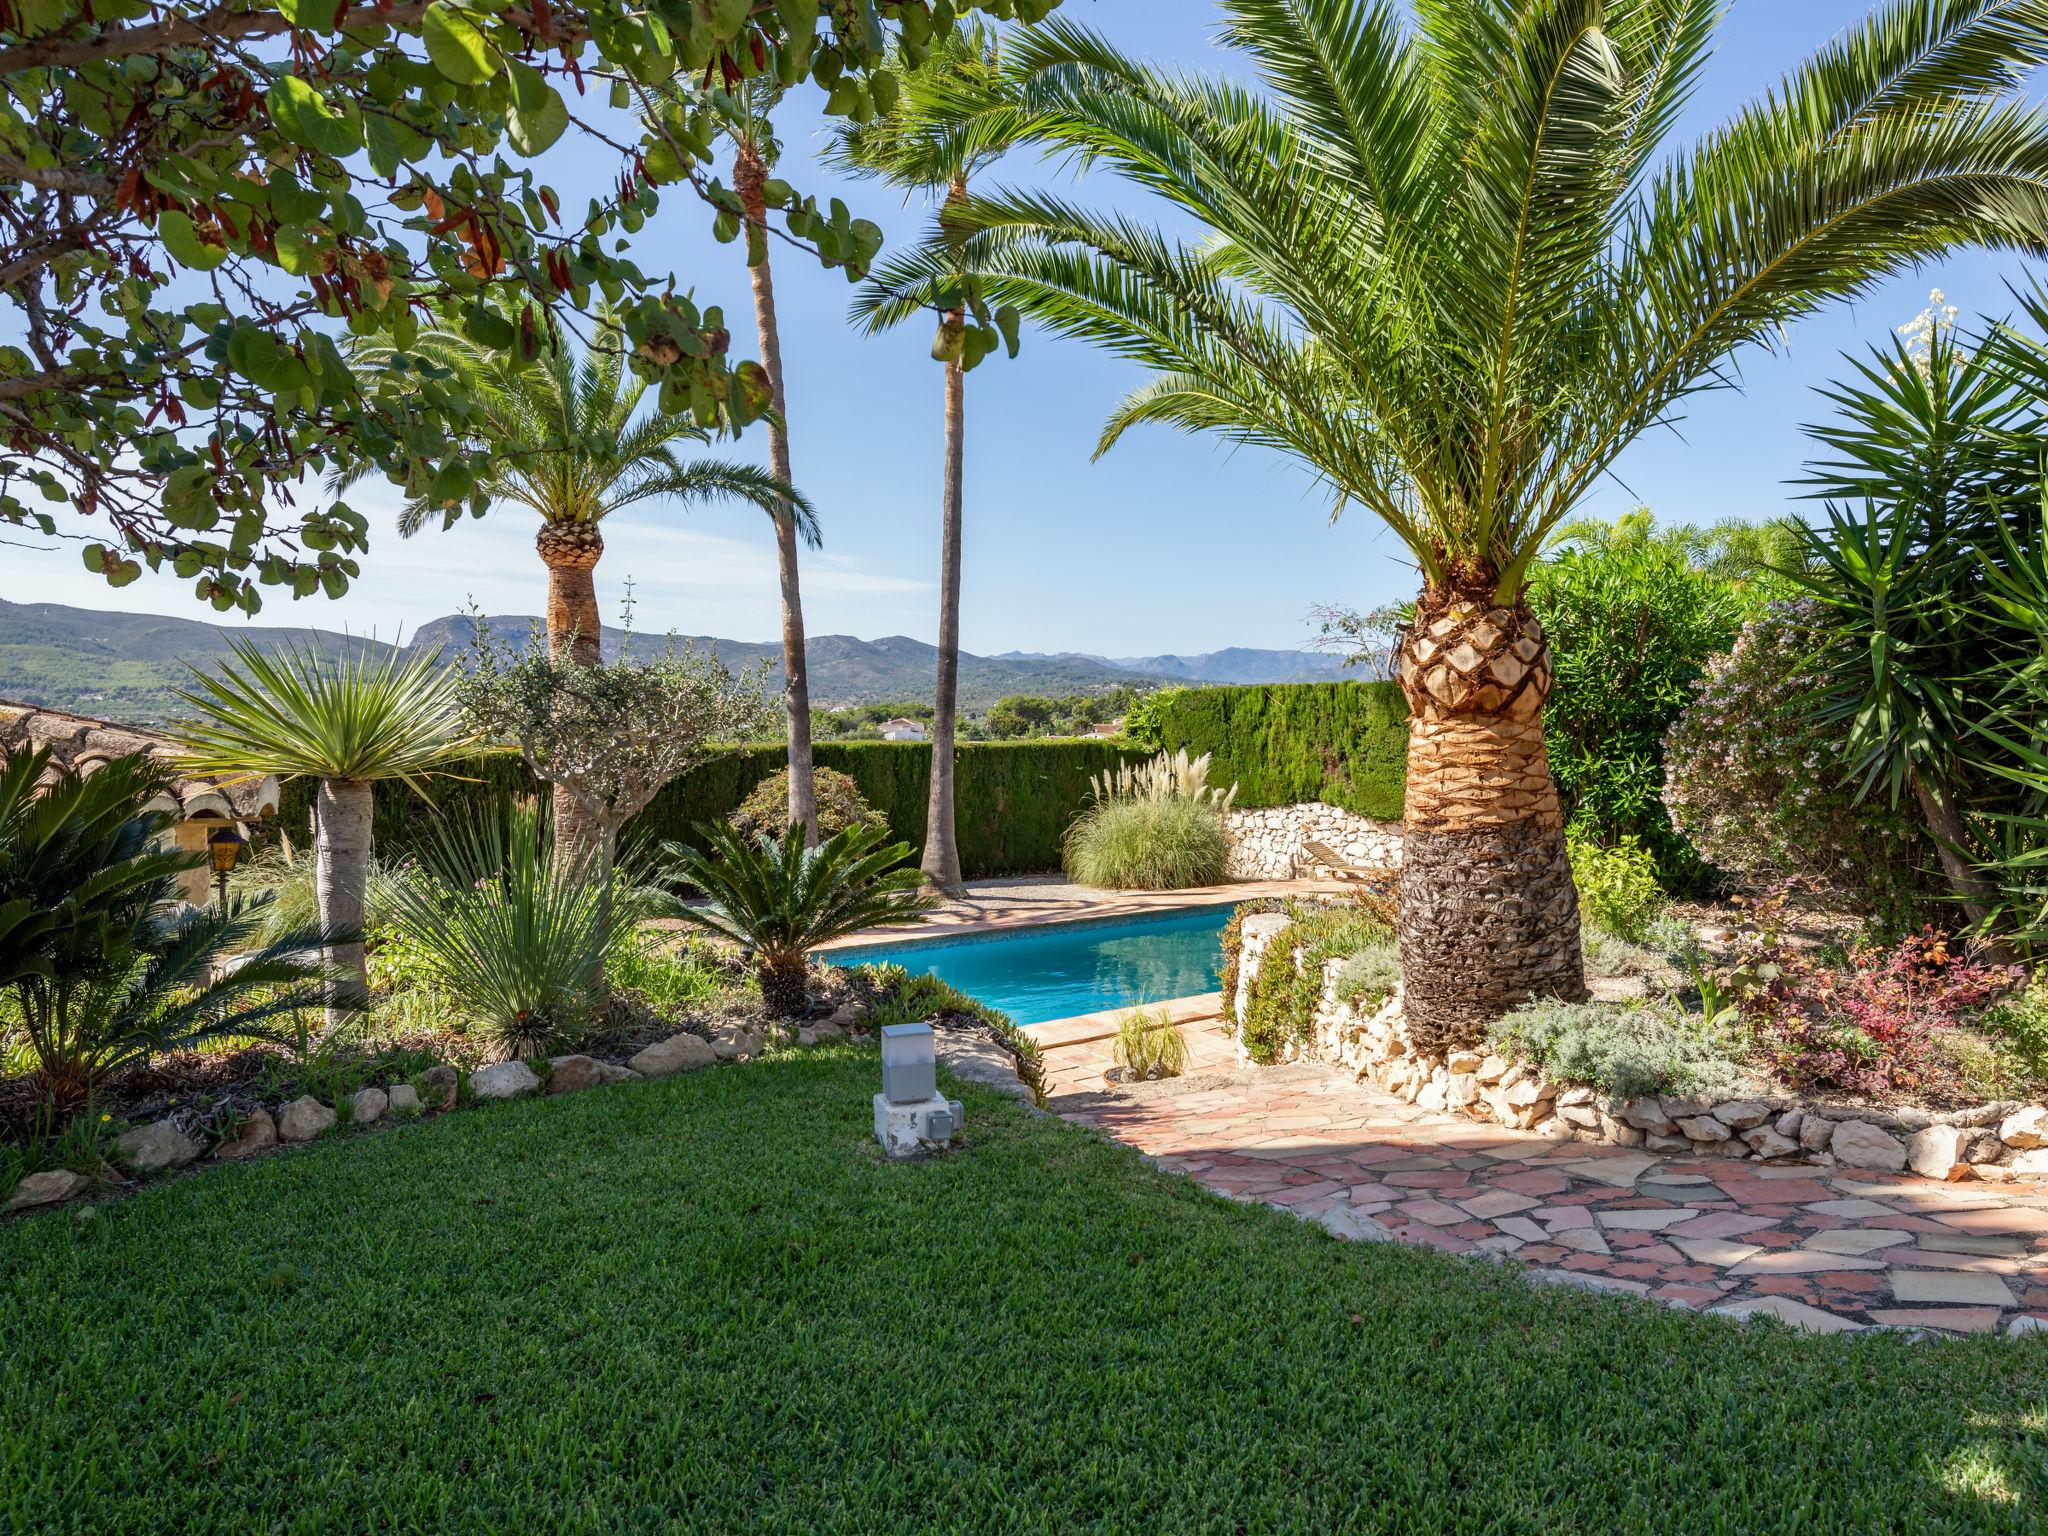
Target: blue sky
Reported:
point(1169, 544)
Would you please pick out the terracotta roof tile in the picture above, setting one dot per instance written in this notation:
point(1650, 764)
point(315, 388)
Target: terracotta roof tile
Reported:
point(77, 741)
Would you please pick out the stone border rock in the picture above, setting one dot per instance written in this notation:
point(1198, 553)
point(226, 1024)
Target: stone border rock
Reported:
point(1993, 1141)
point(164, 1146)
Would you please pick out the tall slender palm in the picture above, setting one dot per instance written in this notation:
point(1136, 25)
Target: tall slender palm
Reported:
point(745, 122)
point(922, 147)
point(564, 436)
point(349, 718)
point(1453, 267)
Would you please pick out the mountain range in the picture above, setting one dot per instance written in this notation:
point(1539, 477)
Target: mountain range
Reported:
point(124, 666)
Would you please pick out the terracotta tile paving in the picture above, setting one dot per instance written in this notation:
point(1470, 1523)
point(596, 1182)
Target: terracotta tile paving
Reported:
point(1822, 1248)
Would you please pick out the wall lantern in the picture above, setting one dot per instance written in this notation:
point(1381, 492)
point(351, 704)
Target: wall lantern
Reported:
point(223, 846)
point(909, 1114)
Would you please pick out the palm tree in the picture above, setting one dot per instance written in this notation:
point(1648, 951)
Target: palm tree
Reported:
point(744, 121)
point(560, 436)
point(348, 718)
point(920, 147)
point(1453, 268)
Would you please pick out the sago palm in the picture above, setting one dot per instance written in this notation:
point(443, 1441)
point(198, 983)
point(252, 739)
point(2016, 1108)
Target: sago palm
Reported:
point(348, 718)
point(1453, 267)
point(564, 437)
point(921, 147)
point(778, 900)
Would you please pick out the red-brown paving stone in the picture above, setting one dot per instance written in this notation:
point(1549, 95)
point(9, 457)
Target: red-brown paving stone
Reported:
point(1533, 1182)
point(1656, 1253)
point(1448, 1178)
point(2007, 1219)
point(1862, 1282)
point(1795, 1286)
point(1473, 1230)
point(1435, 1212)
point(1543, 1253)
point(1688, 1295)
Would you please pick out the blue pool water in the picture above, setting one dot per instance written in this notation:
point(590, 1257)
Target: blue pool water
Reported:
point(1060, 969)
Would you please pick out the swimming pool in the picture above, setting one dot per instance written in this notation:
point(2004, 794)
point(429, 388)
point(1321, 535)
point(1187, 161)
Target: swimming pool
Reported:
point(1056, 970)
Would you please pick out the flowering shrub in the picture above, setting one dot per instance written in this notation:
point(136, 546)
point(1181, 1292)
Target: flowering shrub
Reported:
point(1757, 784)
point(1872, 1026)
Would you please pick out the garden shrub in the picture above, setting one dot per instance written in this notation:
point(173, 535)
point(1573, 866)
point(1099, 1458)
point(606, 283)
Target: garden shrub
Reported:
point(840, 805)
point(1345, 744)
point(1618, 890)
point(1288, 984)
point(1148, 1046)
point(1757, 783)
point(1625, 1051)
point(1150, 845)
point(2018, 1031)
point(1873, 1024)
point(1370, 976)
point(1632, 622)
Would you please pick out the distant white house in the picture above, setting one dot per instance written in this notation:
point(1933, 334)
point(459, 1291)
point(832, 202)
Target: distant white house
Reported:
point(902, 730)
point(1107, 728)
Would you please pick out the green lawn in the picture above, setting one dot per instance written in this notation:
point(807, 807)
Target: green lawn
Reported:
point(706, 1304)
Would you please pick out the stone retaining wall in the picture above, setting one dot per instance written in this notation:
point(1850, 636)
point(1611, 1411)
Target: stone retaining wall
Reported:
point(1991, 1141)
point(1267, 844)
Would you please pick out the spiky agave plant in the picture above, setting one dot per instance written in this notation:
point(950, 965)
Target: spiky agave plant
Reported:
point(1452, 266)
point(779, 900)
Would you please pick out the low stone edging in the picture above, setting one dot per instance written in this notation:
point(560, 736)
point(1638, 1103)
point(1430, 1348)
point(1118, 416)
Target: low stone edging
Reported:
point(1268, 843)
point(1993, 1141)
point(163, 1146)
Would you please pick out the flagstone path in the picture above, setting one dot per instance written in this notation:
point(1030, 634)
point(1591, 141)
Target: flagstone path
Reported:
point(1830, 1249)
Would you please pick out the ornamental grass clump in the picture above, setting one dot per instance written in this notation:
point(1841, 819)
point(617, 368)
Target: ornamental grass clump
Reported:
point(516, 941)
point(1154, 826)
point(1148, 1046)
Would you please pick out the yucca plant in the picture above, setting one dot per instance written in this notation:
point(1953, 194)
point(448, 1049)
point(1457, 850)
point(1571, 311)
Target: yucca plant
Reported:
point(779, 900)
point(103, 960)
point(348, 718)
point(517, 941)
point(1448, 261)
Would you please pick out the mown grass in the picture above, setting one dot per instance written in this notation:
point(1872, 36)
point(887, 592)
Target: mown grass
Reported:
point(707, 1304)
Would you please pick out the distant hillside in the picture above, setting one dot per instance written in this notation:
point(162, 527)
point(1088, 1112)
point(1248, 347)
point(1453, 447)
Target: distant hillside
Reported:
point(124, 666)
point(1239, 664)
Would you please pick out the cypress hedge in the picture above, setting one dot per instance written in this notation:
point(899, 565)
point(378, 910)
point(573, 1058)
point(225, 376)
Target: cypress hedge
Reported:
point(1014, 799)
point(1345, 744)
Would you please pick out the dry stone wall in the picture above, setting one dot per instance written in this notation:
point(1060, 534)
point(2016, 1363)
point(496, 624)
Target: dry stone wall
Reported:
point(1992, 1141)
point(1270, 843)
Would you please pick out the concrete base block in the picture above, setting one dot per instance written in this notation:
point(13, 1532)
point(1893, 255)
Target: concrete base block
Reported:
point(904, 1129)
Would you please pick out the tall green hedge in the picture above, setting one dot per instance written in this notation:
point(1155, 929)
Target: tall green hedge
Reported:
point(1014, 799)
point(1283, 743)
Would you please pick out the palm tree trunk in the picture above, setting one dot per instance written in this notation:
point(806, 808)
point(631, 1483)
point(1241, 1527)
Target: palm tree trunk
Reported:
point(748, 173)
point(341, 871)
point(575, 628)
point(1488, 914)
point(941, 861)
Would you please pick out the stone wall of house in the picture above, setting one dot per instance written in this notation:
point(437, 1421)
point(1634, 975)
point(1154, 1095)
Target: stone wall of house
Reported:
point(1269, 843)
point(1992, 1141)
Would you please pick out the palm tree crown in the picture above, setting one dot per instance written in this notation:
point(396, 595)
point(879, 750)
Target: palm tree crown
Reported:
point(559, 435)
point(1452, 267)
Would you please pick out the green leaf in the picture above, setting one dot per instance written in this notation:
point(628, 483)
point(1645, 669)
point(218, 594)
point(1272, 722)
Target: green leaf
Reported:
point(458, 50)
point(308, 15)
point(533, 130)
point(181, 239)
point(303, 116)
